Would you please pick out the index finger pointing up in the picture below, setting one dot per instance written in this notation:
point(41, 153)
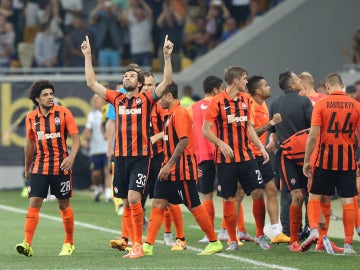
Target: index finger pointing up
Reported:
point(87, 39)
point(166, 38)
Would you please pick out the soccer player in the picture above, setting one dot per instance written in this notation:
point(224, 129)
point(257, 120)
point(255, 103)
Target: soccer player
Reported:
point(260, 90)
point(48, 163)
point(308, 87)
point(177, 178)
point(93, 138)
point(204, 150)
point(292, 160)
point(333, 122)
point(172, 211)
point(229, 112)
point(296, 115)
point(132, 142)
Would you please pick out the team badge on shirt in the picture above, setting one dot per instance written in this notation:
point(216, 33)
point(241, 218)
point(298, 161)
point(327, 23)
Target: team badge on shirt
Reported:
point(138, 101)
point(57, 121)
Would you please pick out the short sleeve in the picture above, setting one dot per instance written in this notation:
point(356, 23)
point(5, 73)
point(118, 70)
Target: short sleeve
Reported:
point(30, 135)
point(316, 115)
point(212, 111)
point(71, 126)
point(182, 123)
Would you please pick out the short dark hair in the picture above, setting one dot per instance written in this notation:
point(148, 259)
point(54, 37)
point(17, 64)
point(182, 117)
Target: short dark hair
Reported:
point(285, 79)
point(333, 79)
point(350, 89)
point(172, 88)
point(37, 87)
point(253, 84)
point(148, 74)
point(233, 72)
point(210, 83)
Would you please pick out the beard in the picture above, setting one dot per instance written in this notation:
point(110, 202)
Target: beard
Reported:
point(129, 88)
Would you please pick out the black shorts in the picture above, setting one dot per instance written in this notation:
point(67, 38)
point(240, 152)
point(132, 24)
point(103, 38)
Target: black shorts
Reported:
point(60, 185)
point(130, 173)
point(229, 174)
point(155, 166)
point(206, 183)
point(291, 175)
point(178, 192)
point(325, 181)
point(266, 169)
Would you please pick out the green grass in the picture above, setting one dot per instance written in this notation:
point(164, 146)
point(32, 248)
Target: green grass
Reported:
point(97, 223)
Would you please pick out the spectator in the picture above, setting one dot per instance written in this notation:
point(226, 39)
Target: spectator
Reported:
point(108, 39)
point(34, 17)
point(52, 15)
point(240, 10)
point(216, 17)
point(45, 48)
point(71, 9)
point(156, 7)
point(197, 42)
point(139, 20)
point(73, 52)
point(255, 12)
point(187, 99)
point(7, 39)
point(170, 21)
point(231, 29)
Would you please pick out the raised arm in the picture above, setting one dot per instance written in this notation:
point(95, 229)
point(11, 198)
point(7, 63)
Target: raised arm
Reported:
point(91, 81)
point(168, 48)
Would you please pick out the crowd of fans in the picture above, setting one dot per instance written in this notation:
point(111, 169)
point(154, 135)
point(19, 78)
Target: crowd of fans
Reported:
point(48, 33)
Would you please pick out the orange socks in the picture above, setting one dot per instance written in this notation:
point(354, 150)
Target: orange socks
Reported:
point(167, 220)
point(357, 213)
point(259, 215)
point(128, 222)
point(155, 220)
point(124, 232)
point(209, 208)
point(349, 222)
point(176, 217)
point(229, 215)
point(326, 210)
point(202, 218)
point(31, 221)
point(137, 218)
point(67, 216)
point(241, 220)
point(314, 212)
point(295, 222)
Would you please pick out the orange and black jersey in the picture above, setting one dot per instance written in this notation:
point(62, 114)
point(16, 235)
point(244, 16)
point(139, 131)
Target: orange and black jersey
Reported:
point(156, 126)
point(177, 125)
point(132, 122)
point(294, 147)
point(231, 120)
point(49, 134)
point(338, 116)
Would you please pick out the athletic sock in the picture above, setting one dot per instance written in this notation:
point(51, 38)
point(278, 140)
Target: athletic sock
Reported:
point(67, 216)
point(203, 219)
point(210, 209)
point(177, 219)
point(155, 220)
point(31, 222)
point(241, 220)
point(349, 222)
point(167, 220)
point(137, 216)
point(229, 214)
point(259, 215)
point(295, 222)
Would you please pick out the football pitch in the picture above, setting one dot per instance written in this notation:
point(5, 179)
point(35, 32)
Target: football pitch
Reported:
point(97, 223)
